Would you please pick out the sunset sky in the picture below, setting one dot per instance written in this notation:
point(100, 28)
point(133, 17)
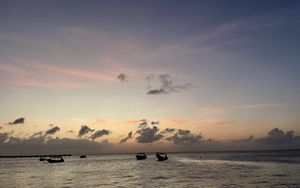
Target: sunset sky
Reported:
point(154, 74)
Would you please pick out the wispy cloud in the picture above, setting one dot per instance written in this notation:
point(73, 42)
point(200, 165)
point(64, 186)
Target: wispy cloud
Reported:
point(163, 84)
point(17, 121)
point(218, 122)
point(264, 105)
point(52, 131)
point(179, 121)
point(129, 136)
point(97, 76)
point(123, 77)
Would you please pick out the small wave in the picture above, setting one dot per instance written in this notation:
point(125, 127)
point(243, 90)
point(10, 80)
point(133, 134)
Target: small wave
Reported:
point(279, 175)
point(227, 162)
point(159, 177)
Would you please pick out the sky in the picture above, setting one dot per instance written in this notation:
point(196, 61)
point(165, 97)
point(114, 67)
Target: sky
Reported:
point(130, 76)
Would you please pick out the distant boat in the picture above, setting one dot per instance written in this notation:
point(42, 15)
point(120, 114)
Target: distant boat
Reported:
point(141, 156)
point(161, 156)
point(60, 160)
point(42, 159)
point(82, 156)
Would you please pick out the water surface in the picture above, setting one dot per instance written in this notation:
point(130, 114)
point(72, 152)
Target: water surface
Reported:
point(218, 169)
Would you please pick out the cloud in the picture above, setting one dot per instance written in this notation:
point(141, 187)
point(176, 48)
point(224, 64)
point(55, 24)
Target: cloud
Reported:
point(154, 122)
point(123, 77)
point(157, 91)
point(41, 145)
point(218, 122)
point(3, 137)
point(249, 139)
point(163, 84)
point(277, 135)
point(275, 139)
point(37, 134)
point(178, 121)
point(100, 133)
point(52, 131)
point(126, 138)
point(17, 121)
point(168, 130)
point(148, 134)
point(184, 137)
point(143, 123)
point(1, 127)
point(84, 130)
point(264, 105)
point(76, 72)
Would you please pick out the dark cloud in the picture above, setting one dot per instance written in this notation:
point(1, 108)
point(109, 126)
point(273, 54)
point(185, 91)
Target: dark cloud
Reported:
point(37, 134)
point(52, 131)
point(84, 130)
point(100, 133)
point(3, 137)
point(154, 122)
point(143, 123)
point(168, 130)
point(17, 121)
point(249, 139)
point(148, 134)
point(163, 84)
point(42, 145)
point(126, 138)
point(123, 77)
point(278, 136)
point(156, 91)
point(184, 137)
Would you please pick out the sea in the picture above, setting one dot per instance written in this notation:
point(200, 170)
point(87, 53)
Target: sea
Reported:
point(201, 169)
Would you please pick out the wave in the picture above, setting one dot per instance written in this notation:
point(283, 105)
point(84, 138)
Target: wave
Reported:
point(225, 162)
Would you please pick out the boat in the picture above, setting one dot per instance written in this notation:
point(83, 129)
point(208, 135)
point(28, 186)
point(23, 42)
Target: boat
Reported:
point(82, 156)
point(42, 159)
point(161, 156)
point(60, 160)
point(141, 156)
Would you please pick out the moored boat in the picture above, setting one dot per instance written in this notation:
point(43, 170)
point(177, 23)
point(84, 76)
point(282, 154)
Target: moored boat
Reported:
point(42, 159)
point(60, 160)
point(161, 156)
point(141, 156)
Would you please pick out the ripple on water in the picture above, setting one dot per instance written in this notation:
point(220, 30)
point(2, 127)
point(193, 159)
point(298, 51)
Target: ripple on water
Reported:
point(160, 178)
point(279, 175)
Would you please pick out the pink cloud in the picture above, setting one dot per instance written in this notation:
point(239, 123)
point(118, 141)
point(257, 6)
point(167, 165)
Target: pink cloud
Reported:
point(91, 75)
point(218, 122)
point(178, 121)
point(264, 105)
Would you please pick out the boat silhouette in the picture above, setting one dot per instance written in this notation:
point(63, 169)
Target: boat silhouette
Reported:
point(42, 159)
point(141, 156)
point(82, 156)
point(53, 160)
point(161, 156)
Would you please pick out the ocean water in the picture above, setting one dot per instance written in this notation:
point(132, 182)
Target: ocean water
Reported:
point(217, 169)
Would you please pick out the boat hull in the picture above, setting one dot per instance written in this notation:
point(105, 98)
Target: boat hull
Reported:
point(55, 161)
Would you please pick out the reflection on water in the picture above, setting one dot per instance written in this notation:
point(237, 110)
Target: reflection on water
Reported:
point(228, 169)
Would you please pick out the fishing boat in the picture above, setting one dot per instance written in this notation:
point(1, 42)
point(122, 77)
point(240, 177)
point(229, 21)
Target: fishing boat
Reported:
point(141, 156)
point(161, 156)
point(42, 159)
point(82, 156)
point(53, 160)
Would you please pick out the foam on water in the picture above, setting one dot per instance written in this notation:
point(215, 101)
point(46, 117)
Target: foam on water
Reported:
point(223, 162)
